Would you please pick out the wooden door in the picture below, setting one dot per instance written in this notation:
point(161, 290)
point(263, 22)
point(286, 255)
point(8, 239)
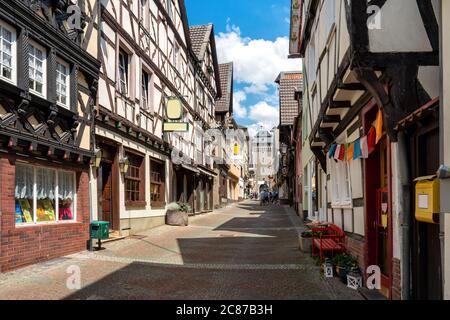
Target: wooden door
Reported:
point(426, 245)
point(106, 199)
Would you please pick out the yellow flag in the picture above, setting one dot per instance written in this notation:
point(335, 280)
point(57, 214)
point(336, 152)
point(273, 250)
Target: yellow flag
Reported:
point(379, 126)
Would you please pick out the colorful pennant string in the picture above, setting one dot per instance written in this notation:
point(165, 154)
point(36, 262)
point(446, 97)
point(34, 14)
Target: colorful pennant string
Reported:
point(362, 147)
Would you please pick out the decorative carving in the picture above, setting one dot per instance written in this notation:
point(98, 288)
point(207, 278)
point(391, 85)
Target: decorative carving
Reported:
point(52, 116)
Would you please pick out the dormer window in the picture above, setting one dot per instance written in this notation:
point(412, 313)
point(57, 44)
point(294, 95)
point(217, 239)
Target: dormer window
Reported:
point(37, 66)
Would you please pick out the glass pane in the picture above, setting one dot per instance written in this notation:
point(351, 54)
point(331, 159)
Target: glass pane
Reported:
point(45, 192)
point(66, 196)
point(24, 194)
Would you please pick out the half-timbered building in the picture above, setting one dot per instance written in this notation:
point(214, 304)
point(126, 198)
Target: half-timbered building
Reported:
point(207, 91)
point(48, 85)
point(363, 59)
point(145, 60)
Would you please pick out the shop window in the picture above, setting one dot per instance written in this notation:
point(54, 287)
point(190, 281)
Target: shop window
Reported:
point(37, 66)
point(7, 52)
point(341, 184)
point(157, 184)
point(35, 195)
point(134, 181)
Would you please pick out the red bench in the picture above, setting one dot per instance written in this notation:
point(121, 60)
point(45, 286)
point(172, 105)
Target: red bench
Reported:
point(331, 239)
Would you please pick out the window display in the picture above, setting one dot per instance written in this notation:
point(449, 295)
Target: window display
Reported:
point(35, 194)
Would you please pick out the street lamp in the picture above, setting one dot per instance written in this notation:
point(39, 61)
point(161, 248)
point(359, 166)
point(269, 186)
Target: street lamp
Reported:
point(284, 148)
point(98, 157)
point(124, 164)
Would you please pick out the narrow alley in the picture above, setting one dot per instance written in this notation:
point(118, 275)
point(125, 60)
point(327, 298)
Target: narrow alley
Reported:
point(243, 251)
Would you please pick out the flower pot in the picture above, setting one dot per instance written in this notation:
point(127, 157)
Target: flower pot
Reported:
point(305, 244)
point(177, 218)
point(342, 272)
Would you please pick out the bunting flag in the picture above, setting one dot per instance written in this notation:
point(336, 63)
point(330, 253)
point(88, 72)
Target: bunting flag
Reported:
point(364, 148)
point(332, 151)
point(337, 152)
point(357, 150)
point(371, 139)
point(350, 151)
point(379, 126)
point(341, 153)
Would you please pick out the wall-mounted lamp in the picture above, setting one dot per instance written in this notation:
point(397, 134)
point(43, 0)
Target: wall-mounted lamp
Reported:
point(124, 165)
point(284, 148)
point(98, 157)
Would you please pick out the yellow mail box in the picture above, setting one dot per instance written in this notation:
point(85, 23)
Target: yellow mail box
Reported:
point(428, 199)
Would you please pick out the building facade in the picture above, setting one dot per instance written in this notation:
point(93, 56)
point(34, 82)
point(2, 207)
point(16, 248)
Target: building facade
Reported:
point(149, 57)
point(290, 85)
point(48, 86)
point(372, 93)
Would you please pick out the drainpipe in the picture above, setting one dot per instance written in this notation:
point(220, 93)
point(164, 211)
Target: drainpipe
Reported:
point(404, 216)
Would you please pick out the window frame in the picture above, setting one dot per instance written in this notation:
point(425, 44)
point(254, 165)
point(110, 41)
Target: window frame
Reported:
point(145, 90)
point(161, 184)
point(36, 45)
point(125, 72)
point(340, 181)
point(56, 191)
point(141, 202)
point(6, 26)
point(60, 61)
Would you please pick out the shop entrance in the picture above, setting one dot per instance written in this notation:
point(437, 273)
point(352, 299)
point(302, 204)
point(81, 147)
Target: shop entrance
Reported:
point(378, 207)
point(107, 188)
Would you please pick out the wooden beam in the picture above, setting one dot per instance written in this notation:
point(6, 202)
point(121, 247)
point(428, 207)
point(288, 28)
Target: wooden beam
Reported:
point(340, 105)
point(351, 86)
point(331, 119)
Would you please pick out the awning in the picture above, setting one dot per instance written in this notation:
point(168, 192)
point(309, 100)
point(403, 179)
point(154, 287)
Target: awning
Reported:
point(207, 172)
point(418, 114)
point(190, 168)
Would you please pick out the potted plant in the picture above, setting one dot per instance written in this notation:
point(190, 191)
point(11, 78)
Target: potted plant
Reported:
point(178, 214)
point(344, 265)
point(306, 241)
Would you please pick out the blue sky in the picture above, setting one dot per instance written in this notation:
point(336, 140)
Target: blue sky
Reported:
point(254, 35)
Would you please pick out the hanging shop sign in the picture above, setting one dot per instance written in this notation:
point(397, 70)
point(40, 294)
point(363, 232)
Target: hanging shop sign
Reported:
point(360, 148)
point(296, 24)
point(174, 112)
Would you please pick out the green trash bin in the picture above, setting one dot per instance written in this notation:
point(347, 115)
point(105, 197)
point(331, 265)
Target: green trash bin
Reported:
point(99, 230)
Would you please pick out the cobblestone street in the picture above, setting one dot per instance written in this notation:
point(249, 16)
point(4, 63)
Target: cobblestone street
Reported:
point(240, 252)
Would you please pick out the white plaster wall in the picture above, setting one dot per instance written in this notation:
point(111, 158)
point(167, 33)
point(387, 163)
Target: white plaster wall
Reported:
point(401, 29)
point(359, 221)
point(348, 220)
point(430, 78)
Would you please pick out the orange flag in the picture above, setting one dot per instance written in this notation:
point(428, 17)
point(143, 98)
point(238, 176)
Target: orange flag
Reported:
point(379, 126)
point(351, 151)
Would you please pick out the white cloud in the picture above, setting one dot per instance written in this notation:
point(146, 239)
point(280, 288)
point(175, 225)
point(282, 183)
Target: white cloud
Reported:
point(264, 113)
point(239, 110)
point(257, 62)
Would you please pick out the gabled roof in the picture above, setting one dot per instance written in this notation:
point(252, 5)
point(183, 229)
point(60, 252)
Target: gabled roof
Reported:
point(290, 83)
point(200, 37)
point(225, 103)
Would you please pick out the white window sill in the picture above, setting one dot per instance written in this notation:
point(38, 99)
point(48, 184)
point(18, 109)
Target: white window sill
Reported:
point(40, 95)
point(10, 81)
point(341, 205)
point(46, 224)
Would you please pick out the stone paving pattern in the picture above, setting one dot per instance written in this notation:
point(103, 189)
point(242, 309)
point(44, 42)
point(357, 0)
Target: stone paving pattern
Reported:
point(240, 252)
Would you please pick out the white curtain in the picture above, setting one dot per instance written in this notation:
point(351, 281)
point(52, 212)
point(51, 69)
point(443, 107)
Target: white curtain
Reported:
point(66, 185)
point(45, 181)
point(24, 182)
